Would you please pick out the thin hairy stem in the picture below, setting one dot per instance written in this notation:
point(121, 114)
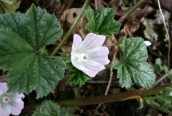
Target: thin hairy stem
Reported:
point(66, 37)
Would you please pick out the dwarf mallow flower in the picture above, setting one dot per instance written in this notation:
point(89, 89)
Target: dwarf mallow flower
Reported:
point(148, 43)
point(10, 103)
point(89, 55)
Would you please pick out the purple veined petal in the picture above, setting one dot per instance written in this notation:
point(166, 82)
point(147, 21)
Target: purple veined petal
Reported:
point(21, 96)
point(102, 60)
point(91, 41)
point(99, 54)
point(76, 41)
point(92, 68)
point(16, 106)
point(5, 110)
point(3, 88)
point(4, 113)
point(1, 110)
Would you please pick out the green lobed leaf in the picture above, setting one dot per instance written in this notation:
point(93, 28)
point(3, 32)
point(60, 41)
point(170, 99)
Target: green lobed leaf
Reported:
point(132, 68)
point(77, 76)
point(50, 108)
point(102, 21)
point(23, 38)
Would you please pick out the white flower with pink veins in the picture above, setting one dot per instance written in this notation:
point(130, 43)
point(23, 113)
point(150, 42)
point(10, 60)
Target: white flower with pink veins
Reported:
point(10, 103)
point(89, 55)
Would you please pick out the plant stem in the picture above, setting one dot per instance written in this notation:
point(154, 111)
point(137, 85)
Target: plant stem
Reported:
point(96, 4)
point(112, 97)
point(111, 72)
point(131, 10)
point(66, 37)
point(168, 35)
point(163, 77)
point(157, 106)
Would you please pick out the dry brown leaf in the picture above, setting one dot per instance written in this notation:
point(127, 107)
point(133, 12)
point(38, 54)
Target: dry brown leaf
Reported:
point(67, 19)
point(131, 27)
point(60, 7)
point(69, 16)
point(114, 4)
point(111, 44)
point(67, 48)
point(100, 4)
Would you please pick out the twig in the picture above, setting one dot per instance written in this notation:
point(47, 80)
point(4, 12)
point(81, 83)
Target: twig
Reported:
point(60, 87)
point(101, 82)
point(96, 5)
point(157, 106)
point(66, 37)
point(111, 74)
point(131, 10)
point(111, 70)
point(163, 77)
point(112, 97)
point(168, 36)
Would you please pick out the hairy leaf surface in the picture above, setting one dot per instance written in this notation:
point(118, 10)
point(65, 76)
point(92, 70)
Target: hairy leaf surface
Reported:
point(49, 108)
point(102, 21)
point(23, 38)
point(133, 68)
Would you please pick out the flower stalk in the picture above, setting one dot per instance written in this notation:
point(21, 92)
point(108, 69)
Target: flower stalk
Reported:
point(113, 97)
point(66, 37)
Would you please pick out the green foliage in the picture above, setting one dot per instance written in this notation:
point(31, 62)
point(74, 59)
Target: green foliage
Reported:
point(102, 21)
point(8, 5)
point(77, 76)
point(127, 2)
point(49, 108)
point(23, 38)
point(162, 100)
point(150, 32)
point(159, 66)
point(132, 68)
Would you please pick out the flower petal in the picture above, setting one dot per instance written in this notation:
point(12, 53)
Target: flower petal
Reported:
point(92, 68)
point(99, 54)
point(5, 109)
point(17, 104)
point(21, 96)
point(76, 41)
point(148, 43)
point(3, 88)
point(4, 113)
point(91, 41)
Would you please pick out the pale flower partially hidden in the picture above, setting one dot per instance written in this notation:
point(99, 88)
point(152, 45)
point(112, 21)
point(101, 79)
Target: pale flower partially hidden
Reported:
point(10, 103)
point(148, 43)
point(89, 55)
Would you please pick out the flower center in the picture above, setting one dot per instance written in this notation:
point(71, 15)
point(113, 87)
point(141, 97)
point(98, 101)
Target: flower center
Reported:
point(6, 99)
point(82, 57)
